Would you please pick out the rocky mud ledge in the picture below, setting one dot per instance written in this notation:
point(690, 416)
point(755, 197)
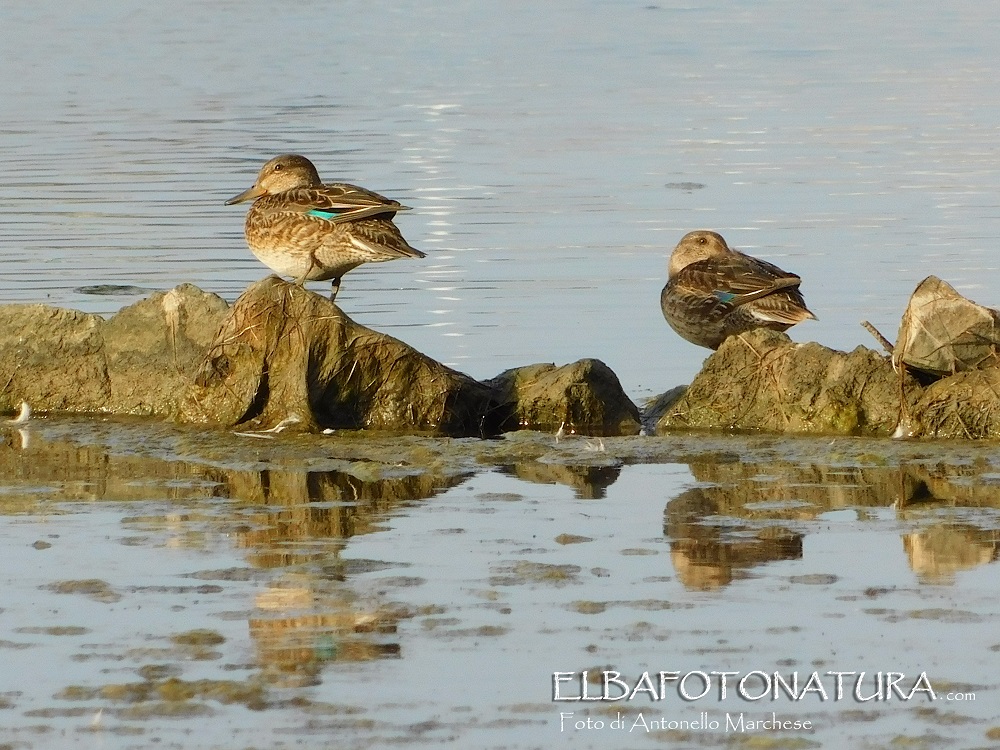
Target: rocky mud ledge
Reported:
point(282, 357)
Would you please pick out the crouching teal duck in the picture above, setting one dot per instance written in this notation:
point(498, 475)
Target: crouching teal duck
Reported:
point(299, 227)
point(713, 292)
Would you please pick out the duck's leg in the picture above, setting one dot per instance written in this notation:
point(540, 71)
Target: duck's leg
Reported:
point(334, 288)
point(301, 280)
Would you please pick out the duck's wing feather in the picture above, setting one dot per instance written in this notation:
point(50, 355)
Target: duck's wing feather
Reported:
point(741, 281)
point(336, 203)
point(378, 240)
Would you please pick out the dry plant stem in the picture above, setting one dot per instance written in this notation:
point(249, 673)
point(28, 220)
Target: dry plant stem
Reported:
point(878, 336)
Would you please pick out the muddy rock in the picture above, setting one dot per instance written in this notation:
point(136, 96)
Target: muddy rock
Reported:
point(138, 362)
point(280, 356)
point(952, 342)
point(942, 332)
point(287, 355)
point(654, 408)
point(53, 359)
point(154, 347)
point(965, 405)
point(584, 397)
point(761, 380)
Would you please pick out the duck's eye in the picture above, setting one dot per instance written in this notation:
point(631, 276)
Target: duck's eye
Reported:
point(278, 167)
point(702, 240)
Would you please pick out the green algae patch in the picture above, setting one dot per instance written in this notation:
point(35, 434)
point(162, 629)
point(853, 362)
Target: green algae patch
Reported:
point(945, 615)
point(167, 710)
point(814, 579)
point(572, 539)
point(54, 630)
point(14, 645)
point(94, 588)
point(523, 571)
point(588, 608)
point(172, 690)
point(152, 672)
point(199, 637)
point(492, 497)
point(491, 631)
point(943, 718)
point(435, 623)
point(927, 740)
point(653, 605)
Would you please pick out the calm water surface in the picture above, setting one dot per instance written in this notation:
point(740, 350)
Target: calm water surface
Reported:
point(553, 154)
point(254, 600)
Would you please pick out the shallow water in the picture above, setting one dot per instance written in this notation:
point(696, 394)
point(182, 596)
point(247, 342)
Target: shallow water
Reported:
point(279, 593)
point(553, 155)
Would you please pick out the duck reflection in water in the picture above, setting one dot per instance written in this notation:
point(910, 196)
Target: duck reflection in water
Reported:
point(707, 557)
point(756, 505)
point(588, 482)
point(299, 522)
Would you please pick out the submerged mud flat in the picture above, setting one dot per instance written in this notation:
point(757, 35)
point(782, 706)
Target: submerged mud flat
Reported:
point(174, 587)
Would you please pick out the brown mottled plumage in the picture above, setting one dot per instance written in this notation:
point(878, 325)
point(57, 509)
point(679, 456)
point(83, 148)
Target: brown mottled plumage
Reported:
point(714, 292)
point(302, 228)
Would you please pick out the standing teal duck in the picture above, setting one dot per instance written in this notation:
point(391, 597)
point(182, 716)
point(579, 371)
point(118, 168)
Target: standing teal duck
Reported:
point(713, 292)
point(302, 228)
